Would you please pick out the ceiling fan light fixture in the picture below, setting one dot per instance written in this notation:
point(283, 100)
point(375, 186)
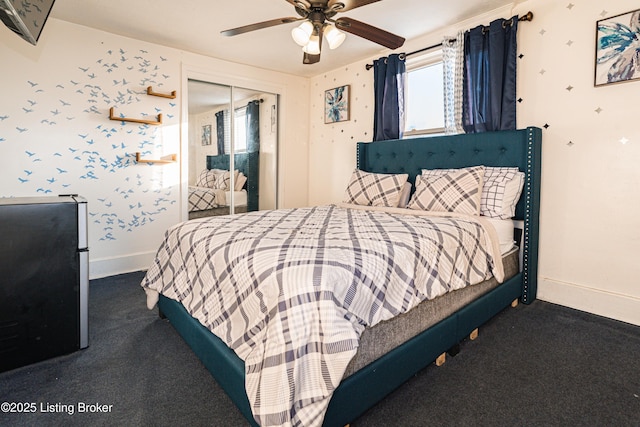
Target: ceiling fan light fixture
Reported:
point(334, 36)
point(313, 47)
point(302, 33)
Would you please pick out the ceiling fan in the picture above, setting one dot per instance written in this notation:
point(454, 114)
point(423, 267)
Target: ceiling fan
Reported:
point(318, 22)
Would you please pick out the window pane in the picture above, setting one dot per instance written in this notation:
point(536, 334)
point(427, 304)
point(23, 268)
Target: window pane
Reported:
point(425, 98)
point(240, 130)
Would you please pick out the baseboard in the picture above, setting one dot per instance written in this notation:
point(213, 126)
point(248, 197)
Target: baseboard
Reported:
point(104, 267)
point(625, 308)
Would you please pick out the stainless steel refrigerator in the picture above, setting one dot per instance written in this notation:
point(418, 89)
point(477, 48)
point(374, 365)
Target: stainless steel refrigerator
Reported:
point(44, 278)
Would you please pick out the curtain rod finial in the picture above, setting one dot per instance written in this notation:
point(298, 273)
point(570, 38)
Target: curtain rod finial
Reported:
point(527, 17)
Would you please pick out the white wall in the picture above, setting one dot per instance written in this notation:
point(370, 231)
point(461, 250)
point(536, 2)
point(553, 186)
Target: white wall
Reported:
point(56, 136)
point(590, 219)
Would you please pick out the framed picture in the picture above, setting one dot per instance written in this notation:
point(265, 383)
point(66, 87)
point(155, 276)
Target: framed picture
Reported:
point(206, 135)
point(616, 48)
point(336, 104)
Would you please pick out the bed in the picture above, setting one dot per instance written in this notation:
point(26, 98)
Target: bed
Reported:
point(205, 201)
point(371, 381)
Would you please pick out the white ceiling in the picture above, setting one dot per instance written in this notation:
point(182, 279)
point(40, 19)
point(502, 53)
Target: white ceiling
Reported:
point(195, 26)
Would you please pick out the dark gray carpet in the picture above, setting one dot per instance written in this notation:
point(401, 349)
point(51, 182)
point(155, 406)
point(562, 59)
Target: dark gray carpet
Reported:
point(534, 365)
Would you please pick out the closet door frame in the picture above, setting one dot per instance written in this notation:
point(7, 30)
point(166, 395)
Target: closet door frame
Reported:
point(192, 72)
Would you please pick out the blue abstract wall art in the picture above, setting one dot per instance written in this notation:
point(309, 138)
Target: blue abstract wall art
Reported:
point(618, 48)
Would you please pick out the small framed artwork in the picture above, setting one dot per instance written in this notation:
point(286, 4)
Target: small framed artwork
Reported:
point(206, 135)
point(616, 48)
point(336, 104)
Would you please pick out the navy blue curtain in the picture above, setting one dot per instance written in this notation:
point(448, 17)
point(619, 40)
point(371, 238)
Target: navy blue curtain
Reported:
point(220, 131)
point(489, 94)
point(388, 81)
point(252, 120)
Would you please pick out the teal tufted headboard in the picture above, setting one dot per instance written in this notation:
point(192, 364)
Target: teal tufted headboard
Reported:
point(521, 148)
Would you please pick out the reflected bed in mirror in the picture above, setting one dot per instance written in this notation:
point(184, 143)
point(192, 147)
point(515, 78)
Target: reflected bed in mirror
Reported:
point(205, 200)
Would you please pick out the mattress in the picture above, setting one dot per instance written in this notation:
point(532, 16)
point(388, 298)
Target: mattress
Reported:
point(240, 197)
point(505, 230)
point(385, 336)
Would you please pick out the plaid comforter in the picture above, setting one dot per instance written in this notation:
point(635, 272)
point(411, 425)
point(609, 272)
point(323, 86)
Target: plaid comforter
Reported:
point(291, 290)
point(203, 198)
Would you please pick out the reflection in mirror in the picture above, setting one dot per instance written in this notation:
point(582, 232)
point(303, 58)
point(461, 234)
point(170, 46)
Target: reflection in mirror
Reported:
point(244, 142)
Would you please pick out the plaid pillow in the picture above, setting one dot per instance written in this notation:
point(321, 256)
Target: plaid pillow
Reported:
point(501, 191)
point(455, 191)
point(223, 179)
point(206, 179)
point(375, 189)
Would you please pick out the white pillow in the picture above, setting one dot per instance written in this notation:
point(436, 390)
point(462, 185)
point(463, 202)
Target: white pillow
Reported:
point(374, 189)
point(455, 191)
point(404, 195)
point(240, 181)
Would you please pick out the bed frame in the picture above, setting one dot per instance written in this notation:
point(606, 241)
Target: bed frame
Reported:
point(360, 391)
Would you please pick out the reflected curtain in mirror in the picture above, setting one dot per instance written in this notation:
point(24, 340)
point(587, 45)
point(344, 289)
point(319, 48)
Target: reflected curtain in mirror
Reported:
point(253, 126)
point(220, 131)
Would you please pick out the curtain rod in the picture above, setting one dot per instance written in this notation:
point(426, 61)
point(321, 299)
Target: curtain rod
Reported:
point(527, 17)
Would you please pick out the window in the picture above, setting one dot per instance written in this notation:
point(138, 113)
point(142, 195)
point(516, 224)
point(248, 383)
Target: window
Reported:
point(239, 130)
point(424, 113)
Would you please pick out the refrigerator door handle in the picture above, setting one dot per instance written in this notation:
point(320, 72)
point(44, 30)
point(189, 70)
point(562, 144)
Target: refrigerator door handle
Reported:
point(83, 237)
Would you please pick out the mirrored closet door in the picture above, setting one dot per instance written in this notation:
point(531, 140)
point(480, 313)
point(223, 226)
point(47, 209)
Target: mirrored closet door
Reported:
point(232, 149)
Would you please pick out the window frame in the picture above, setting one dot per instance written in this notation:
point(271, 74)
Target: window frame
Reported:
point(427, 59)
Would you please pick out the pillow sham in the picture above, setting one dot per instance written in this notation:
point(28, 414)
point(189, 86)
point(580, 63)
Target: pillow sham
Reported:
point(501, 191)
point(374, 189)
point(206, 179)
point(457, 191)
point(404, 195)
point(223, 179)
point(240, 181)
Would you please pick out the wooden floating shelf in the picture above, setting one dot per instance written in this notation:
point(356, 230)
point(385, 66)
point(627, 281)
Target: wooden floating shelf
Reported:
point(112, 116)
point(172, 158)
point(150, 91)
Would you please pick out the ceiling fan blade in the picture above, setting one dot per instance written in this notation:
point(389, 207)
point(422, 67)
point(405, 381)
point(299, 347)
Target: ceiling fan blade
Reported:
point(349, 4)
point(370, 32)
point(258, 26)
point(303, 3)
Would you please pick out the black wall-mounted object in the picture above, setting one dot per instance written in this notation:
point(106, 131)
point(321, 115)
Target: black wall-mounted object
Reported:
point(44, 278)
point(25, 18)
